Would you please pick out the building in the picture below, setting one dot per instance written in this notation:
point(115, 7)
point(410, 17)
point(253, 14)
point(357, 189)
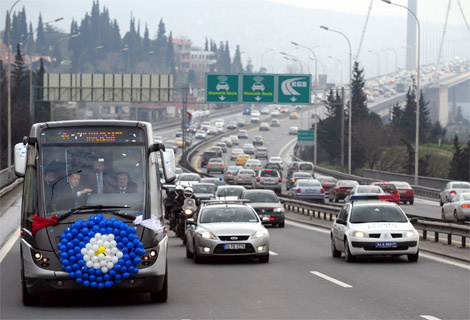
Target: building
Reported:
point(182, 49)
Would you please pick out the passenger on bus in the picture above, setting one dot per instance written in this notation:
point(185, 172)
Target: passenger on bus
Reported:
point(69, 196)
point(124, 185)
point(49, 178)
point(99, 180)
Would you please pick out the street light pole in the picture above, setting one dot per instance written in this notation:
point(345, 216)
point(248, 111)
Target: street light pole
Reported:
point(55, 46)
point(418, 93)
point(9, 89)
point(262, 57)
point(350, 95)
point(78, 65)
point(31, 107)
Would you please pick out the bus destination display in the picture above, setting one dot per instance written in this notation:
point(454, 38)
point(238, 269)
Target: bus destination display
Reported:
point(92, 135)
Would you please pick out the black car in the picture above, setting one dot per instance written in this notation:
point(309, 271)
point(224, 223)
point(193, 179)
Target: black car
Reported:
point(274, 166)
point(266, 204)
point(206, 156)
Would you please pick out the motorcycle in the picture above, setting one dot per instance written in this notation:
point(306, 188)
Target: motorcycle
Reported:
point(187, 211)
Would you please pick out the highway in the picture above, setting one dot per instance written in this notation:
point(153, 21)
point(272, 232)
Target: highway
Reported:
point(301, 281)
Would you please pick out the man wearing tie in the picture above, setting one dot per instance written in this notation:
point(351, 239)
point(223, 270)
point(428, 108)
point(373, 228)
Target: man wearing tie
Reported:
point(124, 185)
point(98, 180)
point(70, 196)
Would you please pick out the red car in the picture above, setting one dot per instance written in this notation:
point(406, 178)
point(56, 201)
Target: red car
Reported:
point(406, 192)
point(327, 182)
point(341, 190)
point(389, 187)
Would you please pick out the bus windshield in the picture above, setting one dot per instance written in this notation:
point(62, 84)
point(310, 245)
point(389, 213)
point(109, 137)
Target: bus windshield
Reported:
point(90, 175)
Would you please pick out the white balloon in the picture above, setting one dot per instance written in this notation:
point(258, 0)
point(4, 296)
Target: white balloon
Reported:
point(89, 264)
point(108, 258)
point(100, 242)
point(101, 256)
point(119, 255)
point(110, 237)
point(96, 265)
point(106, 244)
point(88, 246)
point(98, 236)
point(86, 258)
point(84, 251)
point(92, 241)
point(114, 250)
point(94, 259)
point(91, 253)
point(109, 265)
point(108, 252)
point(95, 247)
point(104, 237)
point(104, 270)
point(114, 260)
point(113, 243)
point(103, 263)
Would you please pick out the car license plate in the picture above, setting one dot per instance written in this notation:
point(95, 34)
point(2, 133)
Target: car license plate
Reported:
point(386, 244)
point(234, 246)
point(402, 191)
point(309, 190)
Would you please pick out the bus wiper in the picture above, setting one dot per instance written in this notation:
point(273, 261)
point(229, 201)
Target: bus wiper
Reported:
point(100, 207)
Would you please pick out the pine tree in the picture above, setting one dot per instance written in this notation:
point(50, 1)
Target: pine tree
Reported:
point(329, 130)
point(249, 66)
point(40, 45)
point(161, 47)
point(408, 119)
point(237, 66)
point(359, 98)
point(41, 108)
point(146, 41)
point(170, 55)
point(424, 122)
point(206, 46)
point(227, 61)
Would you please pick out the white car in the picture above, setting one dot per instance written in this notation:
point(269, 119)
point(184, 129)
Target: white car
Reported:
point(458, 209)
point(276, 159)
point(200, 134)
point(157, 139)
point(373, 228)
point(253, 164)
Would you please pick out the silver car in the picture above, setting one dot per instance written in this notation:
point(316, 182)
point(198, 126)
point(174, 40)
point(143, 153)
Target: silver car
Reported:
point(451, 189)
point(231, 172)
point(229, 192)
point(261, 152)
point(458, 209)
point(244, 177)
point(268, 179)
point(227, 229)
point(215, 164)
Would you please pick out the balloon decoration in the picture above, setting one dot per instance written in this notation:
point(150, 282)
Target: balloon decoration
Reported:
point(99, 253)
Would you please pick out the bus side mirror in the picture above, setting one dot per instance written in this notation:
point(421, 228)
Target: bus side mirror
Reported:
point(168, 164)
point(21, 152)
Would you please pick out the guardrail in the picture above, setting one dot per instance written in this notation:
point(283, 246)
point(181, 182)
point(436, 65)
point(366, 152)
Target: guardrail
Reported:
point(330, 213)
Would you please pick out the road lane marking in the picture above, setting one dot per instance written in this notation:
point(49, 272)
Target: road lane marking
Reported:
point(308, 227)
point(288, 144)
point(429, 317)
point(324, 276)
point(9, 244)
point(273, 253)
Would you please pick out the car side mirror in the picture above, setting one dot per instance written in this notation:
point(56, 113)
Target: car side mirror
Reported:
point(21, 152)
point(340, 221)
point(414, 220)
point(191, 221)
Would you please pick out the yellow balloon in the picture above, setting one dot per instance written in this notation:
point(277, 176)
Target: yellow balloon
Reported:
point(101, 249)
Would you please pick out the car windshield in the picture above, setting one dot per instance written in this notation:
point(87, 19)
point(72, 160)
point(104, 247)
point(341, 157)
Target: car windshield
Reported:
point(327, 180)
point(465, 196)
point(246, 172)
point(461, 185)
point(388, 187)
point(348, 183)
point(302, 175)
point(402, 185)
point(369, 190)
point(189, 177)
point(305, 166)
point(106, 175)
point(365, 214)
point(226, 214)
point(261, 197)
point(269, 173)
point(229, 192)
point(309, 183)
point(204, 188)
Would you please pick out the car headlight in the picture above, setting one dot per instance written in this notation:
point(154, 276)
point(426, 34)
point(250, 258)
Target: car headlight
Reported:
point(358, 234)
point(410, 234)
point(260, 234)
point(206, 235)
point(280, 209)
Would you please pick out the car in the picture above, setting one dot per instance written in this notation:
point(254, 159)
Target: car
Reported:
point(219, 122)
point(255, 113)
point(298, 107)
point(293, 167)
point(293, 130)
point(253, 164)
point(406, 192)
point(212, 131)
point(234, 140)
point(206, 155)
point(217, 150)
point(171, 144)
point(451, 189)
point(241, 122)
point(187, 179)
point(242, 134)
point(254, 118)
point(227, 229)
point(306, 167)
point(217, 181)
point(261, 152)
point(284, 109)
point(230, 173)
point(216, 164)
point(327, 182)
point(235, 152)
point(365, 191)
point(220, 128)
point(248, 148)
point(275, 113)
point(222, 145)
point(308, 189)
point(232, 125)
point(204, 191)
point(293, 115)
point(341, 190)
point(157, 139)
point(275, 123)
point(389, 188)
point(227, 141)
point(264, 110)
point(242, 159)
point(458, 209)
point(244, 177)
point(298, 176)
point(179, 133)
point(200, 134)
point(277, 159)
point(193, 128)
point(266, 204)
point(229, 192)
point(373, 228)
point(268, 179)
point(222, 86)
point(258, 141)
point(274, 166)
point(263, 126)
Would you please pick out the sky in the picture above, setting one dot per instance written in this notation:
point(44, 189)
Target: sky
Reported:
point(261, 25)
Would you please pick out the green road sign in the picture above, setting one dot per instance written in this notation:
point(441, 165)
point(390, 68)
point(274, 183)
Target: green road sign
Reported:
point(222, 88)
point(258, 88)
point(306, 137)
point(293, 88)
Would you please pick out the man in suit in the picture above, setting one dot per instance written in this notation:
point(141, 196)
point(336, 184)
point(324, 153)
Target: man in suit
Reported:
point(69, 196)
point(124, 185)
point(49, 177)
point(99, 180)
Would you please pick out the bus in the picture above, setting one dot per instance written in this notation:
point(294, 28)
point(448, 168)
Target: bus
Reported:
point(92, 209)
point(401, 86)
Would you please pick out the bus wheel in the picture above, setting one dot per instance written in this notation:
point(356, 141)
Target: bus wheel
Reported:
point(162, 295)
point(28, 299)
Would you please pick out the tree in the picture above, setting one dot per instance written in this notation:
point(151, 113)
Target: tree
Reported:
point(40, 45)
point(170, 55)
point(249, 66)
point(459, 165)
point(237, 65)
point(408, 118)
point(41, 108)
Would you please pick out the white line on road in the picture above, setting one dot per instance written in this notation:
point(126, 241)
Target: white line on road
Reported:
point(429, 317)
point(9, 244)
point(324, 276)
point(308, 227)
point(273, 253)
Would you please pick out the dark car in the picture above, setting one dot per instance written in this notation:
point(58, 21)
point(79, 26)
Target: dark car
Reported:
point(204, 191)
point(341, 190)
point(206, 156)
point(266, 204)
point(274, 165)
point(327, 182)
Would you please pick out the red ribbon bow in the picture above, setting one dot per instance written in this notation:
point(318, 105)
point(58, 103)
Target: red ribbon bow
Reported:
point(40, 223)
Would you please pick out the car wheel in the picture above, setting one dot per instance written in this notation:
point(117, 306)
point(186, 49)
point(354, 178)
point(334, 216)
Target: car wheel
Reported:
point(196, 258)
point(347, 253)
point(335, 199)
point(413, 257)
point(189, 254)
point(264, 259)
point(456, 216)
point(441, 203)
point(443, 216)
point(335, 253)
point(28, 299)
point(162, 295)
point(281, 224)
point(412, 201)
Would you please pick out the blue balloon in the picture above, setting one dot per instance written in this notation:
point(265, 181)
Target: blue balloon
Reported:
point(99, 216)
point(96, 228)
point(82, 244)
point(125, 250)
point(67, 230)
point(123, 234)
point(91, 271)
point(125, 241)
point(72, 259)
point(74, 231)
point(116, 267)
point(79, 280)
point(81, 263)
point(108, 284)
point(98, 272)
point(120, 245)
point(85, 230)
point(92, 277)
point(85, 276)
point(121, 261)
point(109, 230)
point(100, 286)
point(125, 257)
point(71, 252)
point(68, 268)
point(123, 269)
point(135, 242)
point(75, 267)
point(128, 263)
point(92, 219)
point(132, 255)
point(112, 273)
point(99, 279)
point(80, 237)
point(106, 277)
point(78, 273)
point(93, 284)
point(75, 241)
point(69, 236)
point(70, 245)
point(72, 274)
point(118, 277)
point(86, 283)
point(116, 281)
point(125, 275)
point(136, 261)
point(130, 246)
point(102, 224)
point(65, 262)
point(117, 238)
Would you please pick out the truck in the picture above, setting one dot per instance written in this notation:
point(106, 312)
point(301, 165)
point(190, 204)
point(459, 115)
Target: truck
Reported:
point(92, 209)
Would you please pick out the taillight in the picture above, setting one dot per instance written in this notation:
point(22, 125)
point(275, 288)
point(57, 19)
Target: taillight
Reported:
point(465, 205)
point(322, 191)
point(258, 179)
point(210, 165)
point(239, 175)
point(222, 164)
point(453, 192)
point(280, 179)
point(271, 219)
point(298, 190)
point(228, 173)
